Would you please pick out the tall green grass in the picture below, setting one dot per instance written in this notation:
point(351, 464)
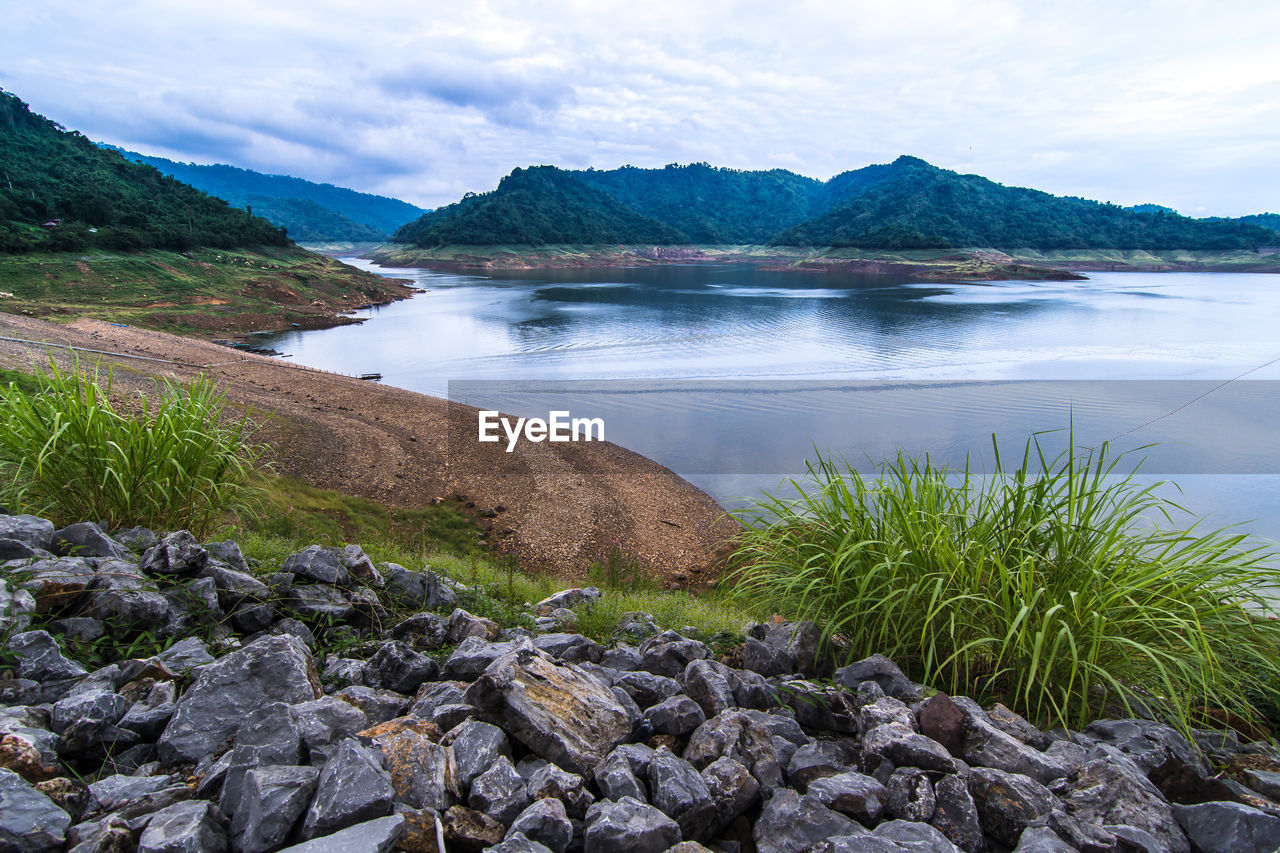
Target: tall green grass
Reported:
point(1047, 587)
point(68, 453)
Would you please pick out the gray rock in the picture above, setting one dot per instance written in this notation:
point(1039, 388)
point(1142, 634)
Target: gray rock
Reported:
point(435, 694)
point(851, 793)
point(645, 688)
point(12, 549)
point(883, 672)
point(817, 759)
point(37, 656)
point(882, 710)
point(476, 746)
point(86, 539)
point(1265, 782)
point(499, 792)
point(317, 563)
point(325, 722)
point(30, 530)
point(710, 684)
point(1008, 803)
point(378, 705)
point(320, 602)
point(669, 653)
point(911, 795)
point(634, 627)
point(421, 590)
point(474, 655)
point(753, 691)
point(81, 628)
point(189, 827)
point(229, 554)
point(816, 708)
point(1011, 745)
point(267, 735)
point(176, 554)
point(517, 843)
point(463, 625)
point(567, 598)
point(733, 792)
point(235, 587)
point(789, 823)
point(761, 658)
point(135, 538)
point(423, 773)
point(29, 820)
point(550, 782)
point(1114, 790)
point(628, 825)
point(108, 834)
point(738, 735)
point(398, 667)
point(621, 658)
point(790, 647)
point(421, 630)
point(119, 792)
point(88, 710)
point(373, 836)
point(1148, 744)
point(559, 712)
point(913, 837)
point(273, 669)
point(26, 744)
point(620, 773)
point(1041, 839)
point(544, 822)
point(16, 609)
point(570, 648)
point(453, 715)
point(678, 715)
point(955, 815)
point(1016, 726)
point(467, 829)
point(185, 655)
point(899, 745)
point(678, 791)
point(126, 606)
point(272, 803)
point(57, 583)
point(358, 565)
point(351, 789)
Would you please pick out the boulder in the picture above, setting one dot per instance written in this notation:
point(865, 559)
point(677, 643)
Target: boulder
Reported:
point(359, 566)
point(940, 719)
point(133, 794)
point(545, 823)
point(29, 820)
point(419, 590)
point(908, 835)
point(372, 836)
point(351, 789)
point(733, 791)
point(273, 801)
point(30, 530)
point(135, 538)
point(566, 599)
point(27, 746)
point(911, 795)
point(176, 554)
point(570, 648)
point(621, 772)
point(272, 669)
point(318, 564)
point(738, 735)
point(678, 715)
point(463, 625)
point(817, 759)
point(228, 554)
point(398, 667)
point(669, 653)
point(423, 772)
point(185, 655)
point(267, 735)
point(1008, 803)
point(36, 655)
point(476, 746)
point(710, 684)
point(645, 688)
point(1223, 827)
point(1113, 790)
point(883, 672)
point(678, 791)
point(1041, 839)
point(860, 797)
point(559, 712)
point(628, 825)
point(786, 648)
point(86, 539)
point(499, 792)
point(902, 747)
point(378, 705)
point(320, 602)
point(474, 655)
point(422, 630)
point(955, 815)
point(16, 609)
point(326, 722)
point(469, 830)
point(550, 782)
point(621, 658)
point(790, 823)
point(57, 583)
point(194, 826)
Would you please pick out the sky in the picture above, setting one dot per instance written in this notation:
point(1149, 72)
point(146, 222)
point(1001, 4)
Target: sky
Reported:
point(1176, 103)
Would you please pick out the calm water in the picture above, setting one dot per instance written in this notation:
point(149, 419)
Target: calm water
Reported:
point(787, 361)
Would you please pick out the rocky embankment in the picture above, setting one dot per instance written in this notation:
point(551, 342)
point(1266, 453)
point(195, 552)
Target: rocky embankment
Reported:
point(292, 710)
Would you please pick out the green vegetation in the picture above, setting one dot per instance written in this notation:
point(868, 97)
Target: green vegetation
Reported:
point(1044, 587)
point(311, 212)
point(904, 205)
point(1266, 220)
point(69, 453)
point(93, 198)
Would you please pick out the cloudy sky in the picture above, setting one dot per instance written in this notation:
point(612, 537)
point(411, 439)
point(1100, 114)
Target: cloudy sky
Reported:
point(1170, 102)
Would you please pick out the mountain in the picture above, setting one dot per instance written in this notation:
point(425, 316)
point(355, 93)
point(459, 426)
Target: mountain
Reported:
point(906, 204)
point(536, 206)
point(60, 192)
point(311, 212)
point(1266, 220)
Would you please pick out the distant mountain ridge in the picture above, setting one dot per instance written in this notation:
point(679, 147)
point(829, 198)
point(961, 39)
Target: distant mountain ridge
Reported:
point(312, 212)
point(906, 204)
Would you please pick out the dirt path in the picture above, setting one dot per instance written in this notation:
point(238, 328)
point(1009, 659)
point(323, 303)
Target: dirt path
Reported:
point(564, 504)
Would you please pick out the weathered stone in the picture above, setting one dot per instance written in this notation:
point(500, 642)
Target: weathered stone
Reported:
point(27, 746)
point(570, 648)
point(499, 792)
point(30, 530)
point(86, 539)
point(911, 795)
point(568, 598)
point(57, 583)
point(109, 834)
point(628, 825)
point(421, 630)
point(518, 843)
point(185, 655)
point(882, 710)
point(912, 836)
point(474, 655)
point(883, 672)
point(854, 794)
point(634, 627)
point(898, 744)
point(1008, 803)
point(550, 782)
point(398, 667)
point(235, 587)
point(678, 791)
point(423, 772)
point(955, 814)
point(710, 684)
point(1113, 790)
point(469, 830)
point(29, 820)
point(1041, 839)
point(422, 590)
point(435, 694)
point(16, 609)
point(669, 654)
point(645, 688)
point(942, 720)
point(733, 792)
point(188, 827)
point(1148, 744)
point(476, 746)
point(738, 735)
point(453, 715)
point(678, 715)
point(819, 708)
point(463, 625)
point(423, 831)
point(621, 772)
point(317, 563)
point(558, 712)
point(752, 691)
point(93, 704)
point(122, 793)
point(272, 802)
point(352, 788)
point(1265, 782)
point(135, 538)
point(176, 554)
point(320, 602)
point(1223, 827)
point(790, 648)
point(817, 759)
point(125, 605)
point(37, 656)
point(764, 659)
point(12, 549)
point(268, 735)
point(621, 658)
point(546, 823)
point(789, 823)
point(372, 836)
point(358, 565)
point(378, 705)
point(273, 669)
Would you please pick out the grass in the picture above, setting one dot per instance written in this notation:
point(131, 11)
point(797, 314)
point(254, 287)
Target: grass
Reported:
point(69, 453)
point(1045, 587)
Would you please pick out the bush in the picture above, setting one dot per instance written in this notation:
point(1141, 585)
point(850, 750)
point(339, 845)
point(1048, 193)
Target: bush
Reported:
point(68, 454)
point(1048, 587)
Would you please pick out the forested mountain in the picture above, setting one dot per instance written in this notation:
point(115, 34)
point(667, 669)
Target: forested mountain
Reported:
point(60, 192)
point(905, 204)
point(311, 212)
point(1266, 220)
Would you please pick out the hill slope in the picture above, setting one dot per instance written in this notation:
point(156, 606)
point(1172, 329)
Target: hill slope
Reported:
point(311, 211)
point(1266, 220)
point(101, 199)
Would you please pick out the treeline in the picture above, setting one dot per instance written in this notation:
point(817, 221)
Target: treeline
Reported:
point(907, 204)
point(61, 192)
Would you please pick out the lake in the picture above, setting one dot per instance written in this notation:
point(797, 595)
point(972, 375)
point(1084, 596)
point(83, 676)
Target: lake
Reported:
point(732, 375)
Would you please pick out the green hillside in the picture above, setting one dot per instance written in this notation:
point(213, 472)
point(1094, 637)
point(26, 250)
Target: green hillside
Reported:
point(92, 198)
point(1266, 220)
point(312, 212)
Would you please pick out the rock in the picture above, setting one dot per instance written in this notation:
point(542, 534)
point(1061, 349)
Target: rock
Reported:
point(120, 793)
point(463, 625)
point(817, 759)
point(570, 648)
point(738, 735)
point(272, 669)
point(453, 715)
point(710, 684)
point(29, 820)
point(135, 538)
point(786, 648)
point(476, 746)
point(628, 825)
point(1041, 839)
point(546, 823)
point(955, 815)
point(358, 565)
point(16, 609)
point(235, 587)
point(854, 794)
point(1008, 803)
point(317, 563)
point(752, 691)
point(421, 630)
point(110, 834)
point(669, 653)
point(621, 659)
point(620, 773)
point(988, 746)
point(189, 827)
point(1222, 827)
point(647, 689)
point(912, 836)
point(764, 659)
point(325, 722)
point(499, 792)
point(373, 836)
point(87, 539)
point(678, 715)
point(733, 792)
point(125, 605)
point(1113, 791)
point(320, 603)
point(57, 583)
point(1148, 744)
point(789, 823)
point(635, 627)
point(568, 598)
point(898, 744)
point(37, 656)
point(267, 735)
point(27, 746)
point(518, 843)
point(272, 802)
point(942, 720)
point(176, 554)
point(474, 655)
point(469, 830)
point(352, 788)
point(1017, 727)
point(423, 772)
point(883, 672)
point(185, 655)
point(378, 705)
point(910, 795)
point(550, 782)
point(421, 590)
point(397, 667)
point(1265, 782)
point(12, 549)
point(816, 708)
point(28, 529)
point(678, 791)
point(91, 706)
point(882, 710)
point(558, 712)
point(437, 693)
